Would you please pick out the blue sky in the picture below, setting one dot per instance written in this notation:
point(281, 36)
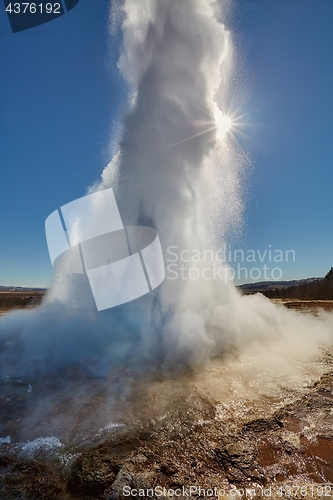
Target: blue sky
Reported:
point(62, 95)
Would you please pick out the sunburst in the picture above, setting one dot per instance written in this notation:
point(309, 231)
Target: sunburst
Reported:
point(224, 124)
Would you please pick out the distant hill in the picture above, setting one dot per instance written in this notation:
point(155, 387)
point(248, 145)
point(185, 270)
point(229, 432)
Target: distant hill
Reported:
point(20, 289)
point(310, 288)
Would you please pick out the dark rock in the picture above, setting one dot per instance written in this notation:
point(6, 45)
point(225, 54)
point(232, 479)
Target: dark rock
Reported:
point(92, 474)
point(169, 468)
point(30, 480)
point(262, 425)
point(124, 478)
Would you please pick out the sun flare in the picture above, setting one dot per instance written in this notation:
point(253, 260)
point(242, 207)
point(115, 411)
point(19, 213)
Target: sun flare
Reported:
point(223, 123)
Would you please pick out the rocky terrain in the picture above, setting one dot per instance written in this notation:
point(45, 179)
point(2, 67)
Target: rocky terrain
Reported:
point(256, 424)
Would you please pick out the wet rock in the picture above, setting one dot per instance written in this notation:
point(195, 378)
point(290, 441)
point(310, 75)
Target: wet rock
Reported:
point(263, 424)
point(92, 474)
point(30, 480)
point(325, 382)
point(6, 461)
point(124, 479)
point(236, 456)
point(186, 442)
point(169, 468)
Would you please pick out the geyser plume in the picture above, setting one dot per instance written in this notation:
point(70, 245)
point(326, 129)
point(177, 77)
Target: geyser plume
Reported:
point(171, 169)
point(179, 171)
point(174, 171)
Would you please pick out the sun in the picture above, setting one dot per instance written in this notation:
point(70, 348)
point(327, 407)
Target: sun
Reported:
point(223, 123)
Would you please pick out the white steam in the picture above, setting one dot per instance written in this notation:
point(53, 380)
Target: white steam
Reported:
point(178, 171)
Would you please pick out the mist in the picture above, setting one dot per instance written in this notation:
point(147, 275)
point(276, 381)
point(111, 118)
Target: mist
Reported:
point(177, 169)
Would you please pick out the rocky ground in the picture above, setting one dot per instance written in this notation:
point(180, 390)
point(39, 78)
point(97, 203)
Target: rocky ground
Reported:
point(255, 425)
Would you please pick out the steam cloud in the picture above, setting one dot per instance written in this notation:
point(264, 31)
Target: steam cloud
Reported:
point(174, 172)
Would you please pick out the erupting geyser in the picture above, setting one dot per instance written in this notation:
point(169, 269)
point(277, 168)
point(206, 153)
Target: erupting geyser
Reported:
point(179, 171)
